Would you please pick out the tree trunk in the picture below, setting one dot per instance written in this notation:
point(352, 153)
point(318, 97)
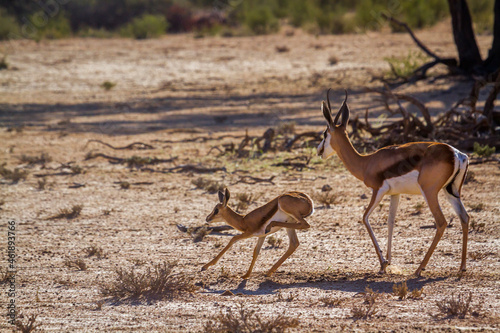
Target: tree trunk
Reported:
point(468, 52)
point(492, 63)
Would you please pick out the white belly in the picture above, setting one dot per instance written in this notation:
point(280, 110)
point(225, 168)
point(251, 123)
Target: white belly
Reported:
point(279, 216)
point(405, 184)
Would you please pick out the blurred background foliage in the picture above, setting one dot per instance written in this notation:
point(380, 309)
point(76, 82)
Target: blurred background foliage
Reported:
point(150, 18)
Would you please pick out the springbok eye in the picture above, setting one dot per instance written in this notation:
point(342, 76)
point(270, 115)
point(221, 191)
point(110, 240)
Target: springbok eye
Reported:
point(216, 211)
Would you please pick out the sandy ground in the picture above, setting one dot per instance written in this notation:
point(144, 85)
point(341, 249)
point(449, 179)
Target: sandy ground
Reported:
point(178, 88)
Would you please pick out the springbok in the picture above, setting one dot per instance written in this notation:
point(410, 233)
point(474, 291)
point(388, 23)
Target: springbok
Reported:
point(285, 211)
point(412, 168)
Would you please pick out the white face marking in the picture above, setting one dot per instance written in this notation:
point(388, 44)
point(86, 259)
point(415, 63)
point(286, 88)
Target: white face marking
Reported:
point(407, 184)
point(327, 148)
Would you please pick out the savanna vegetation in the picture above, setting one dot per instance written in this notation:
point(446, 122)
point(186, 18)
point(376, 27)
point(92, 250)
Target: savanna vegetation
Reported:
point(150, 18)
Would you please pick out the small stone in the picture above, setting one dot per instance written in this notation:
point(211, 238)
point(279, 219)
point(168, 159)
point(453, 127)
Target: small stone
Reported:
point(326, 188)
point(227, 293)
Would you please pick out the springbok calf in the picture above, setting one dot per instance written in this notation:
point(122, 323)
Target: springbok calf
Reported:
point(286, 211)
point(413, 168)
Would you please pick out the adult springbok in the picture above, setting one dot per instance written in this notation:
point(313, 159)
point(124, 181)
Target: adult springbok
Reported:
point(285, 211)
point(413, 168)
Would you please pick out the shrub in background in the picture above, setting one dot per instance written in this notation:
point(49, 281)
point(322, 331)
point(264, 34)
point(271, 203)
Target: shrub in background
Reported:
point(8, 25)
point(261, 20)
point(146, 26)
point(47, 27)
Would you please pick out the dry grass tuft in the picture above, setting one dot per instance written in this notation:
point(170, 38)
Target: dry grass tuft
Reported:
point(29, 326)
point(418, 208)
point(331, 302)
point(95, 251)
point(5, 276)
point(15, 175)
point(246, 320)
point(282, 48)
point(99, 305)
point(76, 263)
point(477, 226)
point(400, 290)
point(455, 307)
point(244, 200)
point(325, 198)
point(333, 60)
point(477, 207)
point(68, 213)
point(417, 293)
point(368, 308)
point(32, 160)
point(470, 178)
point(199, 233)
point(153, 283)
point(124, 185)
point(274, 241)
point(211, 186)
point(479, 255)
point(286, 128)
point(41, 184)
point(76, 169)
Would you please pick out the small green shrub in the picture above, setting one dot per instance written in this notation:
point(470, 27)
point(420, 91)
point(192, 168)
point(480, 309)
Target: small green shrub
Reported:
point(50, 27)
point(261, 21)
point(301, 12)
point(404, 67)
point(483, 151)
point(482, 15)
point(146, 26)
point(420, 14)
point(3, 63)
point(95, 33)
point(8, 25)
point(108, 85)
point(368, 15)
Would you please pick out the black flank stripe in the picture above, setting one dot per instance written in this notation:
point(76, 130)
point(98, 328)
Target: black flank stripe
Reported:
point(402, 167)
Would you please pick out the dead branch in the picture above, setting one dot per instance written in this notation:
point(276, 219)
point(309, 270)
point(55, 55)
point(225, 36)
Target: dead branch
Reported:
point(134, 161)
point(76, 185)
point(490, 101)
point(458, 126)
point(450, 62)
point(134, 145)
point(315, 135)
point(482, 160)
point(299, 166)
point(200, 139)
point(136, 183)
point(198, 233)
point(219, 228)
point(193, 168)
point(254, 180)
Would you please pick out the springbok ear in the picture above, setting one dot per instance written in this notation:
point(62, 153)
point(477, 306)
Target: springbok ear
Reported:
point(344, 109)
point(326, 114)
point(226, 197)
point(221, 197)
